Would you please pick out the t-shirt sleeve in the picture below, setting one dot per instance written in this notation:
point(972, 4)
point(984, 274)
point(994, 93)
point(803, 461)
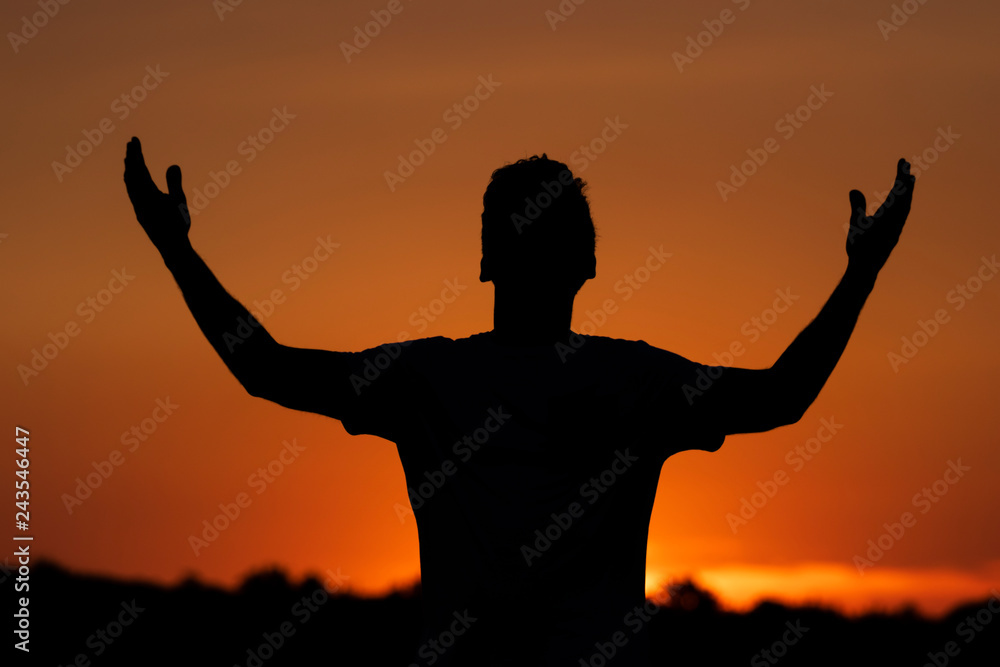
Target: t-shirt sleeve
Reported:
point(671, 385)
point(377, 390)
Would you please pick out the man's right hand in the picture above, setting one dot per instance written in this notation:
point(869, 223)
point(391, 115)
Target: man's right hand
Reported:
point(164, 217)
point(871, 238)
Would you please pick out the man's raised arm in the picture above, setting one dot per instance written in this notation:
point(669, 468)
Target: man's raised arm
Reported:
point(302, 379)
point(748, 401)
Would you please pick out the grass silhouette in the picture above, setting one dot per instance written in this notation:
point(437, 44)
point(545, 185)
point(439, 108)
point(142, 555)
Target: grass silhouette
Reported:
point(270, 621)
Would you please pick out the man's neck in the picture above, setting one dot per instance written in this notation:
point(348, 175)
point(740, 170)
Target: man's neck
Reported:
point(531, 318)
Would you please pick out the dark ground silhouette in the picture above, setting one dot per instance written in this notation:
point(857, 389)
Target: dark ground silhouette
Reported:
point(194, 624)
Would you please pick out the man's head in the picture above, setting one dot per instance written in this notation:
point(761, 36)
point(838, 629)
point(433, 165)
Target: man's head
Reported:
point(537, 229)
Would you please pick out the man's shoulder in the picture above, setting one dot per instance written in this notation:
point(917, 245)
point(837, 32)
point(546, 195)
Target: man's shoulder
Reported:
point(578, 345)
point(617, 346)
point(619, 343)
point(442, 342)
point(431, 347)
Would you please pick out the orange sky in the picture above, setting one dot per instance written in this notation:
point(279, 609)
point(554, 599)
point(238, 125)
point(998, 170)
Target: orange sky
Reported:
point(202, 89)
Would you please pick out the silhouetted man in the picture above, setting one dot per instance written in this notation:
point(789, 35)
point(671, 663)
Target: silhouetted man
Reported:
point(531, 453)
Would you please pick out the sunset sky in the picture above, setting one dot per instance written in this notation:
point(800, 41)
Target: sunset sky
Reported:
point(286, 123)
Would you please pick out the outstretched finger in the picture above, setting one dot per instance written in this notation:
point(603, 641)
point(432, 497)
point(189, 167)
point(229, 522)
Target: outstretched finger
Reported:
point(133, 154)
point(904, 180)
point(176, 192)
point(174, 184)
point(137, 176)
point(902, 169)
point(902, 189)
point(859, 206)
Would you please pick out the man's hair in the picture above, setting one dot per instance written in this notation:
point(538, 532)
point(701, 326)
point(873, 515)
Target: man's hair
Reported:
point(536, 222)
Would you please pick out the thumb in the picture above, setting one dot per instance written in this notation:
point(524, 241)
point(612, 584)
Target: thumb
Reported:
point(859, 206)
point(174, 184)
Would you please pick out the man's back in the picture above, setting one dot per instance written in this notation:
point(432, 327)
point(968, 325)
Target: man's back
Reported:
point(531, 471)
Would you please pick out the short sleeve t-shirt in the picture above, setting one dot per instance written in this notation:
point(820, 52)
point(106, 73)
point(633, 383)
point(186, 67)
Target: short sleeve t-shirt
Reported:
point(531, 472)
